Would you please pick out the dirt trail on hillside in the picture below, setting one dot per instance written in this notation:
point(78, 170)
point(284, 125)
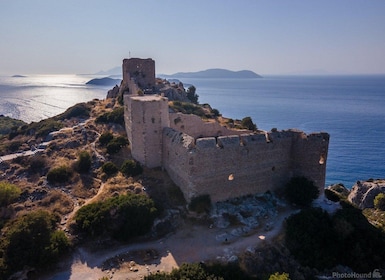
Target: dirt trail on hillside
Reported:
point(191, 243)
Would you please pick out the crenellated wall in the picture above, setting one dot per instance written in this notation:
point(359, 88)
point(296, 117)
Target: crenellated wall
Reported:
point(236, 165)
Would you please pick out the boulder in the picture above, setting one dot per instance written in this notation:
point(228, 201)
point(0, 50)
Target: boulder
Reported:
point(363, 192)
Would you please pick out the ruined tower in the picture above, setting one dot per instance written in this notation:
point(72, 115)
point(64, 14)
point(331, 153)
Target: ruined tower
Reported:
point(145, 118)
point(142, 71)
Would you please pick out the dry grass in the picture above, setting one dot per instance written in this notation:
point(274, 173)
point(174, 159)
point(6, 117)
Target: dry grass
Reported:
point(57, 202)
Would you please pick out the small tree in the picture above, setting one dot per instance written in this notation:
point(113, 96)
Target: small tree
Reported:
point(191, 95)
point(379, 201)
point(301, 191)
point(247, 123)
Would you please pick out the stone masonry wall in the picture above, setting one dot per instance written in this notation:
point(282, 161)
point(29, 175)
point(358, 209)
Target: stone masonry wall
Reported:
point(232, 166)
point(141, 70)
point(145, 118)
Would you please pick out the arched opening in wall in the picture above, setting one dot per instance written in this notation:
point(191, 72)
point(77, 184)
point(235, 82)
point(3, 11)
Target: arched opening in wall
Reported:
point(273, 168)
point(231, 177)
point(322, 159)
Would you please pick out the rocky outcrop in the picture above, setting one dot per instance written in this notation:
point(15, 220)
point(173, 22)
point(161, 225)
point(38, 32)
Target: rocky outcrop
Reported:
point(173, 91)
point(363, 193)
point(113, 93)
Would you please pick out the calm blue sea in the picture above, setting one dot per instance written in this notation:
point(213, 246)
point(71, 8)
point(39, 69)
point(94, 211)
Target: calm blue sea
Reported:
point(350, 108)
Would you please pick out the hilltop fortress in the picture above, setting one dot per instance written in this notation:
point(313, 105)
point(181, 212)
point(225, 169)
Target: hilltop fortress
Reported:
point(206, 158)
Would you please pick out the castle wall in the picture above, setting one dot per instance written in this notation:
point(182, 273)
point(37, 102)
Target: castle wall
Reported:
point(145, 117)
point(141, 70)
point(194, 126)
point(232, 166)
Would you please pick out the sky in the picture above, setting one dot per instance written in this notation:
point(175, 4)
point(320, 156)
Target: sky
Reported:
point(265, 36)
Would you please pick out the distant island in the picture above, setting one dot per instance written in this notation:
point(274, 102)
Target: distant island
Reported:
point(104, 82)
point(216, 73)
point(18, 76)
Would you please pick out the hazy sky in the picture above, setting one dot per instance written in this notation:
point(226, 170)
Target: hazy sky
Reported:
point(267, 36)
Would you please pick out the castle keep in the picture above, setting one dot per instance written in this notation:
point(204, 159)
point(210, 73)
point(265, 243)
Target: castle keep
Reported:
point(206, 158)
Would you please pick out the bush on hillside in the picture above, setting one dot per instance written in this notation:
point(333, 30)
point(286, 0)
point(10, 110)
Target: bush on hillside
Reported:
point(301, 191)
point(123, 217)
point(379, 201)
point(247, 123)
point(110, 168)
point(59, 174)
point(131, 168)
point(78, 110)
point(8, 193)
point(116, 144)
point(31, 240)
point(105, 138)
point(115, 116)
point(83, 164)
point(346, 238)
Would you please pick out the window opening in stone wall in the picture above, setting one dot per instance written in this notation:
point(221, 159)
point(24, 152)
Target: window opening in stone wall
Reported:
point(322, 159)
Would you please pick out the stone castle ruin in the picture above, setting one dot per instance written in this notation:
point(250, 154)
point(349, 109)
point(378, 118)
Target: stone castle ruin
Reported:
point(207, 158)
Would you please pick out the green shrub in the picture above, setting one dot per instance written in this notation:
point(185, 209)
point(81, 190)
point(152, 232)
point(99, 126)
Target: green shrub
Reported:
point(322, 241)
point(123, 216)
point(116, 144)
point(8, 193)
point(110, 168)
point(78, 110)
point(115, 116)
point(84, 162)
point(31, 240)
point(131, 168)
point(59, 174)
point(379, 201)
point(200, 204)
point(105, 138)
point(247, 123)
point(301, 191)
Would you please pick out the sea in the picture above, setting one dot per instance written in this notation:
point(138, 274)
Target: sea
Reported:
point(350, 108)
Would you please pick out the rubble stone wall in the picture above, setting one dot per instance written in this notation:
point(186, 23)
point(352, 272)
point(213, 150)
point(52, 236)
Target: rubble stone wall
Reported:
point(232, 166)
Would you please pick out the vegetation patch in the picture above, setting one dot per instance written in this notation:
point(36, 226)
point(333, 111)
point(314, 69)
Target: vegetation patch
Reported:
point(79, 110)
point(59, 174)
point(123, 217)
point(8, 124)
point(114, 116)
point(131, 168)
point(31, 240)
point(301, 191)
point(322, 241)
point(8, 193)
point(110, 168)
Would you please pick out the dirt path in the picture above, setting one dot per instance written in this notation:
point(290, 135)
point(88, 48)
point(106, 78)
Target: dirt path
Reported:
point(191, 243)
